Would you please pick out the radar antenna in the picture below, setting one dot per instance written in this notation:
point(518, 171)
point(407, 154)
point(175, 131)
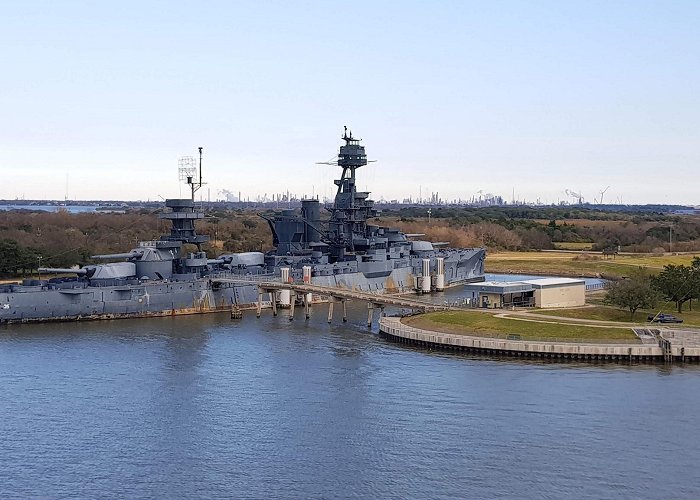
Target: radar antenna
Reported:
point(187, 168)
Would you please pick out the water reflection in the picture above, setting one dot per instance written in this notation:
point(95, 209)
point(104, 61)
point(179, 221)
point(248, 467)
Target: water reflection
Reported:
point(204, 406)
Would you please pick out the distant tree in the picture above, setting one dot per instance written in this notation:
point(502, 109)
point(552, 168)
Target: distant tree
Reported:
point(679, 284)
point(695, 268)
point(635, 292)
point(10, 256)
point(15, 258)
point(496, 236)
point(535, 239)
point(233, 245)
point(249, 223)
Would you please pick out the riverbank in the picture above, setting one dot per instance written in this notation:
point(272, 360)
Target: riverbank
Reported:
point(538, 335)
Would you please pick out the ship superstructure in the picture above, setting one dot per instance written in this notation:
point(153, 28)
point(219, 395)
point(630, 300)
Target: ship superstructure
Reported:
point(345, 249)
point(160, 277)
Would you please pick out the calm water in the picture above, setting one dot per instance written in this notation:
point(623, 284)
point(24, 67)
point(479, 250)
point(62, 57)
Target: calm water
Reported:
point(74, 209)
point(207, 407)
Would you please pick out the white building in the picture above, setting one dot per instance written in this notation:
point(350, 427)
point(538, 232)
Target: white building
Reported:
point(541, 292)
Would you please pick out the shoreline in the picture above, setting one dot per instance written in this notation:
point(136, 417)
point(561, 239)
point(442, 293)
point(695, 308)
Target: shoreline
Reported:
point(671, 346)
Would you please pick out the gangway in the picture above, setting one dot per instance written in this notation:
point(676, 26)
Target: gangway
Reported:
point(334, 294)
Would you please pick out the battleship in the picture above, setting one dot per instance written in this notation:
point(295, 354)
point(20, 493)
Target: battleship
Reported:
point(174, 276)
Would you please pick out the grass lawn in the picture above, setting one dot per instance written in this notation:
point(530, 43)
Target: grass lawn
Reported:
point(563, 245)
point(605, 313)
point(601, 313)
point(568, 264)
point(487, 324)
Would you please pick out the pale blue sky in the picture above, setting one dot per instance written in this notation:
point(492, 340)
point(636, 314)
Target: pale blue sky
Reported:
point(455, 97)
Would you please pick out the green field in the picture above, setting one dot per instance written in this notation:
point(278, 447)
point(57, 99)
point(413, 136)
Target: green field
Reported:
point(578, 264)
point(604, 313)
point(488, 324)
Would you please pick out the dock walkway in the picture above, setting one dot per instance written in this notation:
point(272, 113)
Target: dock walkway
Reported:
point(344, 294)
point(333, 294)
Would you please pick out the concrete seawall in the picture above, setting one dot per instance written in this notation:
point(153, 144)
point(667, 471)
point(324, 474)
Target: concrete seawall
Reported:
point(671, 347)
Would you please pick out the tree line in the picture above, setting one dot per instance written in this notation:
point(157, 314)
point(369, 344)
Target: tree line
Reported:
point(32, 239)
point(535, 228)
point(61, 239)
point(676, 283)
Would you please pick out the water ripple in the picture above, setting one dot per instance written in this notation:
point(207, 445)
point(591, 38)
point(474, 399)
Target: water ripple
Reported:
point(206, 407)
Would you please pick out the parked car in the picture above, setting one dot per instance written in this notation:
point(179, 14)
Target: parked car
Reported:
point(664, 318)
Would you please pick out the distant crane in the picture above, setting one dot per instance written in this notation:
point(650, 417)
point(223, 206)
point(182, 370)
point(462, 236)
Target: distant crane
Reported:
point(576, 195)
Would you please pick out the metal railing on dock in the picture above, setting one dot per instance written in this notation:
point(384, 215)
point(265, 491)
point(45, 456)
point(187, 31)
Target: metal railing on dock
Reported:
point(592, 287)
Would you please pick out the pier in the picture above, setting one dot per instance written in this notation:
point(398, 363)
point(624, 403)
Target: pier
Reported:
point(333, 295)
point(669, 345)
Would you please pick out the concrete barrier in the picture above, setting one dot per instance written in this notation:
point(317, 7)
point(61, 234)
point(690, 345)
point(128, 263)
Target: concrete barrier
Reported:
point(395, 330)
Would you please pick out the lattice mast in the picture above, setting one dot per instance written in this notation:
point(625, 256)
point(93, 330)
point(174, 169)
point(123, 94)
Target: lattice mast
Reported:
point(187, 168)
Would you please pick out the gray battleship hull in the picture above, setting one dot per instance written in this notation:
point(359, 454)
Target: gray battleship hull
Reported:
point(75, 301)
point(133, 301)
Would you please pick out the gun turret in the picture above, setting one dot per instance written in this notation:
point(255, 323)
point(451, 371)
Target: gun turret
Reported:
point(61, 270)
point(134, 254)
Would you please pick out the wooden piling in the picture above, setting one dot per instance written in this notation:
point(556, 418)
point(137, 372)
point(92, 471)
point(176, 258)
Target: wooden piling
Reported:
point(236, 312)
point(292, 300)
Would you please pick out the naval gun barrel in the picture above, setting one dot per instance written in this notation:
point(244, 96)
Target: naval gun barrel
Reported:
point(215, 261)
point(61, 270)
point(126, 255)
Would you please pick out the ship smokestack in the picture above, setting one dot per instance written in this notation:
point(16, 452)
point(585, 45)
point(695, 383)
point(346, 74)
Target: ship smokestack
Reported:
point(425, 280)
